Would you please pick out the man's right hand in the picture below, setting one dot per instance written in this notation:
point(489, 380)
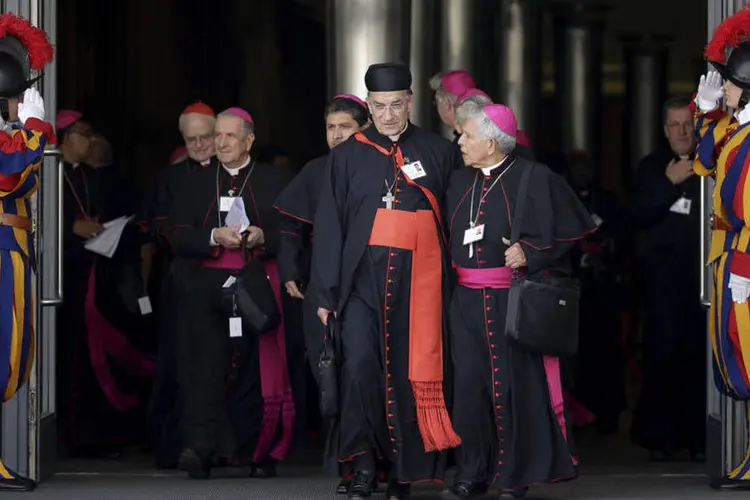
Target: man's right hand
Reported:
point(710, 90)
point(87, 229)
point(293, 290)
point(323, 314)
point(228, 237)
point(680, 170)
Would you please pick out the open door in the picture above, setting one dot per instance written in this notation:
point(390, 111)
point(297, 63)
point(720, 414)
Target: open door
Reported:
point(726, 426)
point(28, 438)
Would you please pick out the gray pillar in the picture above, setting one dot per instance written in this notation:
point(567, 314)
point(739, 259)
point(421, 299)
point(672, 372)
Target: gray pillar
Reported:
point(458, 20)
point(425, 60)
point(361, 33)
point(578, 77)
point(520, 55)
point(646, 90)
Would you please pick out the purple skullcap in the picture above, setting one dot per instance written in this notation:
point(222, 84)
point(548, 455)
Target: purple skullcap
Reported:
point(240, 113)
point(457, 82)
point(67, 117)
point(503, 117)
point(351, 98)
point(471, 93)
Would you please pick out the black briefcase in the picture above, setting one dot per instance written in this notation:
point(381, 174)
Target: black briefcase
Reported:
point(251, 296)
point(328, 372)
point(542, 312)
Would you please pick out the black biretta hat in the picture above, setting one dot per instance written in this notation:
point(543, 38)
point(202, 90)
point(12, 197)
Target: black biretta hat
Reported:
point(388, 77)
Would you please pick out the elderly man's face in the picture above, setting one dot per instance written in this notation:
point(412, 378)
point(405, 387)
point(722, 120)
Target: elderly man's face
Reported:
point(445, 109)
point(198, 134)
point(339, 127)
point(390, 111)
point(77, 140)
point(232, 141)
point(474, 148)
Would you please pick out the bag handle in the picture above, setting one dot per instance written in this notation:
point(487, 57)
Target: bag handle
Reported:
point(520, 209)
point(331, 332)
point(247, 255)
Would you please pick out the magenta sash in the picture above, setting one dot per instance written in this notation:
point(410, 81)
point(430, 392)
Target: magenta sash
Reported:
point(275, 384)
point(104, 339)
point(490, 277)
point(227, 259)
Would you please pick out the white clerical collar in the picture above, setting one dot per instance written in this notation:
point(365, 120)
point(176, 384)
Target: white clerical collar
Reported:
point(205, 163)
point(488, 170)
point(235, 171)
point(743, 116)
point(395, 138)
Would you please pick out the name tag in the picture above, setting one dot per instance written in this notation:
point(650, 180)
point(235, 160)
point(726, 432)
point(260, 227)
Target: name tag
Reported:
point(229, 282)
point(144, 303)
point(225, 203)
point(597, 220)
point(681, 206)
point(474, 234)
point(235, 327)
point(414, 170)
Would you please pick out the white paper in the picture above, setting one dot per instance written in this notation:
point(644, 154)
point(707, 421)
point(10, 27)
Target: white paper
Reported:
point(237, 217)
point(235, 327)
point(145, 305)
point(681, 206)
point(225, 203)
point(107, 241)
point(474, 234)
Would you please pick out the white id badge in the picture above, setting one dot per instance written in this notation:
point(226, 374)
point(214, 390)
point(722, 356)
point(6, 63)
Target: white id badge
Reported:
point(414, 170)
point(229, 282)
point(235, 328)
point(474, 234)
point(144, 303)
point(225, 203)
point(681, 206)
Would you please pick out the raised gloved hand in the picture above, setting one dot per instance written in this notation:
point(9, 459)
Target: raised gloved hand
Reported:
point(32, 105)
point(710, 90)
point(740, 288)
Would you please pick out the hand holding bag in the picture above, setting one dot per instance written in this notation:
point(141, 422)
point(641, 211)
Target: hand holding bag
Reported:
point(328, 371)
point(542, 308)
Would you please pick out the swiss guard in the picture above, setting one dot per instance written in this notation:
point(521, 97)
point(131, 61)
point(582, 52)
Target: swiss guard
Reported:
point(23, 136)
point(723, 147)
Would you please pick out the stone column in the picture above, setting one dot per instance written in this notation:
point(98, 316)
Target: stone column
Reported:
point(361, 33)
point(458, 40)
point(520, 60)
point(645, 92)
point(424, 60)
point(578, 77)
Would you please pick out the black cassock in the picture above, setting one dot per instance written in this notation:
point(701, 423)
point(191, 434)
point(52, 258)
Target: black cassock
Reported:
point(103, 339)
point(298, 203)
point(223, 410)
point(377, 411)
point(512, 435)
point(163, 413)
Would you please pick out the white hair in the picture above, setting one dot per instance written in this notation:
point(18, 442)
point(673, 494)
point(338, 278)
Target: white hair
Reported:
point(187, 116)
point(465, 107)
point(436, 81)
point(247, 127)
point(505, 143)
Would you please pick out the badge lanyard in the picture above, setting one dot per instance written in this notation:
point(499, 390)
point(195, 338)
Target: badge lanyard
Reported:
point(84, 210)
point(242, 188)
point(472, 219)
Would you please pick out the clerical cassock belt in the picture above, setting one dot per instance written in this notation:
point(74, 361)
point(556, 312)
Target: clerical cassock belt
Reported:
point(416, 231)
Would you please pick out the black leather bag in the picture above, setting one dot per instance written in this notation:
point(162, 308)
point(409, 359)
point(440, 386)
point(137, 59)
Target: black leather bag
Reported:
point(328, 372)
point(542, 308)
point(252, 296)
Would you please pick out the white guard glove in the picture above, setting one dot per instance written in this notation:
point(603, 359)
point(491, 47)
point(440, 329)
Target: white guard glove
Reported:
point(32, 105)
point(710, 90)
point(740, 288)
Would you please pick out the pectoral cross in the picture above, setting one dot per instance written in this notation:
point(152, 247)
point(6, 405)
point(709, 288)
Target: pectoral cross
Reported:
point(388, 199)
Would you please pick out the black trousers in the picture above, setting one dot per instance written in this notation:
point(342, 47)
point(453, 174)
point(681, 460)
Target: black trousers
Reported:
point(223, 403)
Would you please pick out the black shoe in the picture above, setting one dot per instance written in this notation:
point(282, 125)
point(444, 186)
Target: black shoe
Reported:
point(343, 486)
point(462, 490)
point(196, 463)
point(519, 492)
point(17, 483)
point(264, 470)
point(362, 485)
point(398, 491)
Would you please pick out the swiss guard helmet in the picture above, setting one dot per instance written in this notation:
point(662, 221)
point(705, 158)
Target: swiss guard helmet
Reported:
point(729, 51)
point(23, 48)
